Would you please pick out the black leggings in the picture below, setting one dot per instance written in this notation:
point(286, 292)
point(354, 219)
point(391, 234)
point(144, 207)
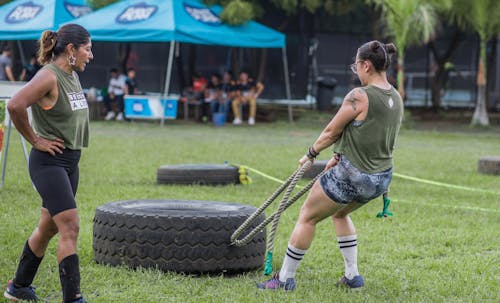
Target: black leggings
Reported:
point(119, 99)
point(55, 178)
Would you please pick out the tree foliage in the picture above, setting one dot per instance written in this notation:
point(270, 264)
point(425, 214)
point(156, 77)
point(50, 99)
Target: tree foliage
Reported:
point(483, 17)
point(241, 11)
point(96, 4)
point(408, 22)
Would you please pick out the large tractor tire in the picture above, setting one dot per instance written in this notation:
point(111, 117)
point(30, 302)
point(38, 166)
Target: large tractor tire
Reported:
point(489, 165)
point(203, 174)
point(175, 235)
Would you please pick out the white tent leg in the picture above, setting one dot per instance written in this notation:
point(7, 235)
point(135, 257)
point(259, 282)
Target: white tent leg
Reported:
point(287, 85)
point(168, 75)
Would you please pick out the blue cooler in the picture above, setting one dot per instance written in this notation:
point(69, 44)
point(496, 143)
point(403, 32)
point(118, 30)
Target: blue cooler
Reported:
point(219, 119)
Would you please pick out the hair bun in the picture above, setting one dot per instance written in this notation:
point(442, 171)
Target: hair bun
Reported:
point(374, 45)
point(390, 48)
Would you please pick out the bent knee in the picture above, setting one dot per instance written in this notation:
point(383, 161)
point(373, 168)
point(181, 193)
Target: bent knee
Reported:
point(46, 233)
point(52, 231)
point(70, 230)
point(308, 216)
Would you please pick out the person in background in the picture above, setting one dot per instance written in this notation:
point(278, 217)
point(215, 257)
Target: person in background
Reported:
point(247, 92)
point(116, 91)
point(195, 93)
point(30, 69)
point(364, 132)
point(131, 83)
point(227, 88)
point(60, 131)
point(212, 95)
point(6, 73)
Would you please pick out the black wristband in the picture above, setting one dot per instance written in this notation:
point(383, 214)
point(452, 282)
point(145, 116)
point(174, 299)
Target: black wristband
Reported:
point(311, 153)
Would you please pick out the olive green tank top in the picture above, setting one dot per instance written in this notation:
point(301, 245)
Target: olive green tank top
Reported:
point(369, 144)
point(68, 119)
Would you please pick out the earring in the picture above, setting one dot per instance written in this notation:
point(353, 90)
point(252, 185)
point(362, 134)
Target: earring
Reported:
point(71, 60)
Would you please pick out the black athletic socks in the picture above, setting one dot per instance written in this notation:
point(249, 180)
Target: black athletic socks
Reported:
point(69, 273)
point(27, 268)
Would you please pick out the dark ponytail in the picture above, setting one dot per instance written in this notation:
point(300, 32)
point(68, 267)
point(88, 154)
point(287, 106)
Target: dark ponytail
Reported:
point(52, 44)
point(378, 53)
point(46, 46)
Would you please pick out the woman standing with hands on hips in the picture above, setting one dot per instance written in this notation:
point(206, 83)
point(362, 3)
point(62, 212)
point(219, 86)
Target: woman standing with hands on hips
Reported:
point(60, 130)
point(364, 131)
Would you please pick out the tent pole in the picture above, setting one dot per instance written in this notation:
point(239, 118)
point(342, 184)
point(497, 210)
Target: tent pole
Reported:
point(21, 52)
point(287, 85)
point(167, 79)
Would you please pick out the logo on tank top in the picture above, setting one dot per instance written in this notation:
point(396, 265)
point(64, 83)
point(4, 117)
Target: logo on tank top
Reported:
point(77, 101)
point(76, 10)
point(136, 13)
point(23, 12)
point(202, 14)
point(391, 103)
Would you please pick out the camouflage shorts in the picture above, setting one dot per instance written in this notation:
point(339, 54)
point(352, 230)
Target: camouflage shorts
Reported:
point(344, 183)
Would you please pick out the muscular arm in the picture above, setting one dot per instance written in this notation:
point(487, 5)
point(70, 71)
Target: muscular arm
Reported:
point(37, 89)
point(354, 106)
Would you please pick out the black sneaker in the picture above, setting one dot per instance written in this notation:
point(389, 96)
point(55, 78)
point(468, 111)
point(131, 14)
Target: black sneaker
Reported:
point(20, 294)
point(356, 282)
point(275, 284)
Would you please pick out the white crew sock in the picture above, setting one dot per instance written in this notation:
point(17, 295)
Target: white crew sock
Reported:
point(349, 248)
point(291, 262)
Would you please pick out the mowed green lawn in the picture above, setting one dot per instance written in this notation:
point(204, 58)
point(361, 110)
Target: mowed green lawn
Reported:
point(442, 245)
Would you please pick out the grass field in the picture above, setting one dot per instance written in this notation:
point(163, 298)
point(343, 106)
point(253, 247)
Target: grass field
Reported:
point(442, 245)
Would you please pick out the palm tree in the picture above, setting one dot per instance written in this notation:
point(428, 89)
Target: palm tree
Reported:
point(483, 16)
point(408, 22)
point(96, 4)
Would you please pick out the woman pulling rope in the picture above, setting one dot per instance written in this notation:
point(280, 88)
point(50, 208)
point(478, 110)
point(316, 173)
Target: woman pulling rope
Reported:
point(364, 131)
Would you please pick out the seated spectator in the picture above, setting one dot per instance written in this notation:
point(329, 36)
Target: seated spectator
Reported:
point(116, 91)
point(131, 86)
point(227, 90)
point(212, 95)
point(196, 92)
point(30, 69)
point(247, 92)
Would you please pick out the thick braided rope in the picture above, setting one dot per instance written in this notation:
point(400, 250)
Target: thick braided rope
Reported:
point(250, 219)
point(295, 178)
point(286, 204)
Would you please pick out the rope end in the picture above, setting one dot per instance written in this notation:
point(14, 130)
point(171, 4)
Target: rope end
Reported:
point(268, 269)
point(243, 175)
point(385, 211)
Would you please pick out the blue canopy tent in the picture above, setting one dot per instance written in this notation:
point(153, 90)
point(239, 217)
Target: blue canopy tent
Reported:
point(27, 19)
point(178, 21)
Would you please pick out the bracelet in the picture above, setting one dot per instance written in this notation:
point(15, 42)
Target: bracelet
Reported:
point(311, 153)
point(336, 156)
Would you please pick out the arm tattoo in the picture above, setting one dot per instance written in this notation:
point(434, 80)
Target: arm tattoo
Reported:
point(352, 97)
